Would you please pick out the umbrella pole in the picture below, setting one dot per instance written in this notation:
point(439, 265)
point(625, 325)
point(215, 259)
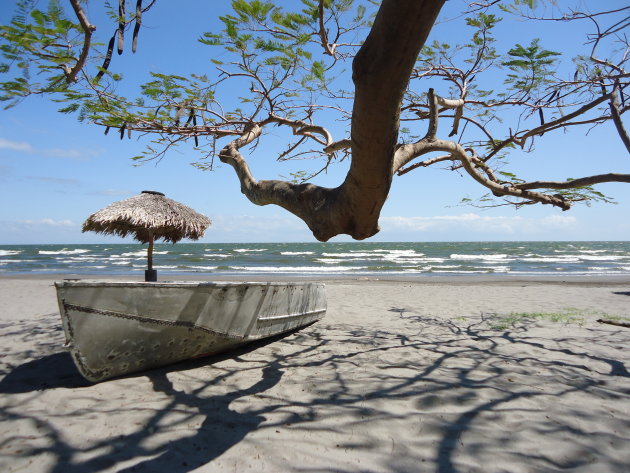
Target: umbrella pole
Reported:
point(150, 275)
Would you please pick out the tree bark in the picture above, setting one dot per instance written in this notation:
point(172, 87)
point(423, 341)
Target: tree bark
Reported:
point(380, 72)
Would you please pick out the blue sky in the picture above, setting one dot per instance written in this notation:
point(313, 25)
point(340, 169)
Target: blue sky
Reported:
point(55, 171)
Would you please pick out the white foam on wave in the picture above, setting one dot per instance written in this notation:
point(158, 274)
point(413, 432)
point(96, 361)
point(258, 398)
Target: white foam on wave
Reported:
point(216, 255)
point(393, 252)
point(355, 255)
point(603, 258)
point(297, 253)
point(200, 268)
point(85, 259)
point(491, 257)
point(138, 254)
point(551, 259)
point(10, 252)
point(432, 260)
point(404, 253)
point(388, 255)
point(297, 269)
point(246, 250)
point(65, 251)
point(408, 261)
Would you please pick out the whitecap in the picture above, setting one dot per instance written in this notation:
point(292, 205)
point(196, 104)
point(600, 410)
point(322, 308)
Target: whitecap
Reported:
point(138, 254)
point(354, 255)
point(552, 259)
point(200, 268)
point(603, 258)
point(297, 269)
point(10, 252)
point(65, 251)
point(491, 257)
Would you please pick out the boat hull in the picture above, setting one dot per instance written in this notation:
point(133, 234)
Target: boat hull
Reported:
point(116, 328)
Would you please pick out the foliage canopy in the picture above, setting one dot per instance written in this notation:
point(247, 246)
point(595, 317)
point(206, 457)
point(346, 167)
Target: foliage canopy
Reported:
point(292, 64)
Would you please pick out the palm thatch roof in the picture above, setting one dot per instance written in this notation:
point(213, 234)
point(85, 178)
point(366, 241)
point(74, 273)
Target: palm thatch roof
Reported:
point(149, 216)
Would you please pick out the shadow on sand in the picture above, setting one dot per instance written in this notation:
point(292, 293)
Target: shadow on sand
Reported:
point(459, 390)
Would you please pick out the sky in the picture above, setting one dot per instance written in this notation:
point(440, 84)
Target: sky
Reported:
point(55, 171)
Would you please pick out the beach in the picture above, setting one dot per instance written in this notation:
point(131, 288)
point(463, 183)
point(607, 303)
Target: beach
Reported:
point(402, 375)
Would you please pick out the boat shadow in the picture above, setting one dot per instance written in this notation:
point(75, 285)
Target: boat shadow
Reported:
point(49, 372)
point(59, 371)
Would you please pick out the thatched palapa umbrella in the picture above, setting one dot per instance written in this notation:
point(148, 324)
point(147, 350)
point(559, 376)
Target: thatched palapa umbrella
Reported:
point(149, 216)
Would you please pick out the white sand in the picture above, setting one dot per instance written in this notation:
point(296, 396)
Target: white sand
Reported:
point(398, 377)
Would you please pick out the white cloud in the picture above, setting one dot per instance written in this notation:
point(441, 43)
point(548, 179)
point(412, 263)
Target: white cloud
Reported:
point(247, 228)
point(114, 192)
point(71, 153)
point(56, 180)
point(15, 145)
point(478, 224)
point(247, 223)
point(46, 222)
point(64, 153)
point(39, 231)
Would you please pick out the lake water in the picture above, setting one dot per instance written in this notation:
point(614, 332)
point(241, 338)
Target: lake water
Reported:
point(321, 259)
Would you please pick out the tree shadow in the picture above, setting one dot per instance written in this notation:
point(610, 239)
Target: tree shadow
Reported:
point(450, 395)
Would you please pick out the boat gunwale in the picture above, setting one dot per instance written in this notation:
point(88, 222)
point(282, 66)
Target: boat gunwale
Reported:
point(180, 284)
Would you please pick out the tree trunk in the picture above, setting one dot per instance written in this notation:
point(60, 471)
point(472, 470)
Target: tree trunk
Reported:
point(380, 72)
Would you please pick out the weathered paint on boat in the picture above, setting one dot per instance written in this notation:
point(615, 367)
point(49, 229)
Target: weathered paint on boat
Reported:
point(116, 328)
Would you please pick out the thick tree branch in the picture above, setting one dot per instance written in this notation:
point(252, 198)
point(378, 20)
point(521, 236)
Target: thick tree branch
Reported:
point(381, 77)
point(498, 189)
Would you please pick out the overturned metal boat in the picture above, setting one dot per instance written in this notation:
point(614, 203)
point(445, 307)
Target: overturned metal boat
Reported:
point(116, 328)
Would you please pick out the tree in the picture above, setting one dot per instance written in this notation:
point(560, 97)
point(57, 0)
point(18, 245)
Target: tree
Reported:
point(290, 63)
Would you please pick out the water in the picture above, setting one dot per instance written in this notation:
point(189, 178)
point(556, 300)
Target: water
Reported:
point(322, 259)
